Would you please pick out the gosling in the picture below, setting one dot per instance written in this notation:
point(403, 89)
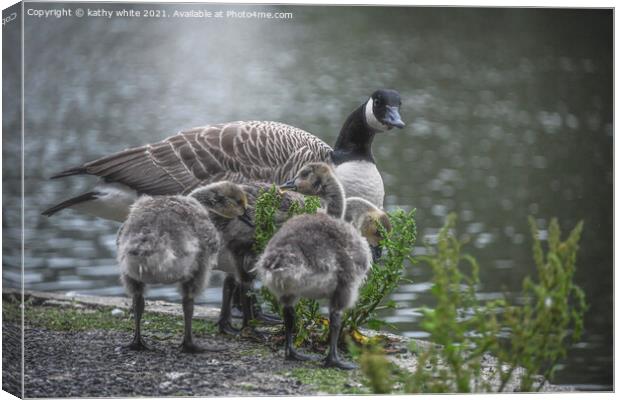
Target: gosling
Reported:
point(238, 239)
point(171, 239)
point(237, 255)
point(320, 257)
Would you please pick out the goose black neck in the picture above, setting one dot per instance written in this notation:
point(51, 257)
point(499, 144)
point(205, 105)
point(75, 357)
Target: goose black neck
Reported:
point(354, 142)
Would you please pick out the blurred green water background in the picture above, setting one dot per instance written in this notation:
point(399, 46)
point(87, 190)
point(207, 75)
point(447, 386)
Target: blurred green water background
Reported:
point(509, 114)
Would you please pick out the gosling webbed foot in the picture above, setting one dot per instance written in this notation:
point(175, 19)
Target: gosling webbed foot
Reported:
point(333, 362)
point(191, 348)
point(251, 333)
point(136, 345)
point(295, 355)
point(267, 319)
point(226, 328)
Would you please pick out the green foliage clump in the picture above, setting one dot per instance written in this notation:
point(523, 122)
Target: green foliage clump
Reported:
point(462, 327)
point(386, 274)
point(377, 369)
point(267, 205)
point(465, 329)
point(554, 307)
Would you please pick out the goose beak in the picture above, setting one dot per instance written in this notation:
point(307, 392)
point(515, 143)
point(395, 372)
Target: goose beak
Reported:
point(289, 185)
point(376, 252)
point(245, 218)
point(392, 118)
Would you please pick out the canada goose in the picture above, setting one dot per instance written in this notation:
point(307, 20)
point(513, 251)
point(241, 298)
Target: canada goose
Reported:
point(171, 239)
point(238, 152)
point(319, 257)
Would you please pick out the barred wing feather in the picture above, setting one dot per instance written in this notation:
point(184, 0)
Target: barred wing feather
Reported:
point(238, 151)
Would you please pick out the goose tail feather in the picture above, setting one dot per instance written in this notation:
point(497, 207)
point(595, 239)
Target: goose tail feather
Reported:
point(69, 172)
point(88, 196)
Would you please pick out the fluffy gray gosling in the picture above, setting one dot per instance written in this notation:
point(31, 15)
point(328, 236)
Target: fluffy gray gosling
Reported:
point(171, 239)
point(320, 257)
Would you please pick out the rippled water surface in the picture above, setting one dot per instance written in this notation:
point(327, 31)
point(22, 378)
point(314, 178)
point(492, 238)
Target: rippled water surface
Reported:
point(509, 114)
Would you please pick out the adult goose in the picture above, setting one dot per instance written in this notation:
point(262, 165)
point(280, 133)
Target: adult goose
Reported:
point(237, 152)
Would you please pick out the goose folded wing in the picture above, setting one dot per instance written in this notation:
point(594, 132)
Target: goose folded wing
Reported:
point(238, 151)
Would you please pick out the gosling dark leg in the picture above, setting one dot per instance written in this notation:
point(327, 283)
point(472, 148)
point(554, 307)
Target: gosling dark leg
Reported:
point(290, 353)
point(246, 304)
point(138, 308)
point(236, 309)
point(335, 326)
point(225, 321)
point(259, 315)
point(245, 287)
point(188, 345)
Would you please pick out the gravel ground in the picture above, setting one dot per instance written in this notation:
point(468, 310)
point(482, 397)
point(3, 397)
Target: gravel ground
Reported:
point(11, 359)
point(92, 363)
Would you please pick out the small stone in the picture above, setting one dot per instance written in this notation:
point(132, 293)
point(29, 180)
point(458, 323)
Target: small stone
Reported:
point(117, 312)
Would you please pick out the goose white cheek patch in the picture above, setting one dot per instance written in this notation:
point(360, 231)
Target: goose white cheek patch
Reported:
point(371, 120)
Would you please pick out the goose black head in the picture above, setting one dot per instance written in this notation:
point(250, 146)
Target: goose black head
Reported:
point(382, 111)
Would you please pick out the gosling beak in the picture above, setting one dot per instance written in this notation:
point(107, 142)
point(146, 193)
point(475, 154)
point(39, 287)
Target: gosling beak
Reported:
point(392, 118)
point(376, 252)
point(289, 185)
point(245, 218)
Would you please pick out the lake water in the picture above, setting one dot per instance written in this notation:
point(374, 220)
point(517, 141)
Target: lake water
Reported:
point(508, 112)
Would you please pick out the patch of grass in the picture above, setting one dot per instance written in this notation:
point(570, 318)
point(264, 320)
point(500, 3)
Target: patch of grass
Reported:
point(11, 312)
point(255, 351)
point(67, 318)
point(328, 380)
point(248, 387)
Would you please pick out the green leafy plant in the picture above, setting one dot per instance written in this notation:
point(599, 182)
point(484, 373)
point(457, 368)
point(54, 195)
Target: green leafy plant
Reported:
point(529, 338)
point(461, 327)
point(552, 314)
point(386, 274)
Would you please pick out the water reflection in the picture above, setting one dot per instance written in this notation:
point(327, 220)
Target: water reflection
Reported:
point(508, 111)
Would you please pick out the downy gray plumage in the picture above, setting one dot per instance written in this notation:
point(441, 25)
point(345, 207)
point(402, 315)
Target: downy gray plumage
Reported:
point(321, 257)
point(171, 239)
